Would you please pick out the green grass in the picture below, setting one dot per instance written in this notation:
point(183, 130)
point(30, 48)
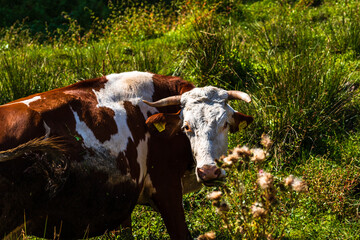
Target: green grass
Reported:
point(299, 60)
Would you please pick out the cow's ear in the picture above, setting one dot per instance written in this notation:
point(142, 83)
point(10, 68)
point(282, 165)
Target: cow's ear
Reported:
point(240, 121)
point(164, 124)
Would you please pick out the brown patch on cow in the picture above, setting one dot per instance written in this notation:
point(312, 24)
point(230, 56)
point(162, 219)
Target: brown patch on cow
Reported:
point(19, 124)
point(138, 129)
point(55, 112)
point(95, 84)
point(136, 125)
point(166, 86)
point(99, 119)
point(83, 101)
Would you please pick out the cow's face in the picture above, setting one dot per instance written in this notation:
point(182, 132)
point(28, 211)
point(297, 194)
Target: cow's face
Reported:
point(206, 119)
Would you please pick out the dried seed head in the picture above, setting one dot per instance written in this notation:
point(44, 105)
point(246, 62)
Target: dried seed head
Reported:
point(265, 180)
point(296, 184)
point(223, 208)
point(266, 141)
point(220, 160)
point(259, 155)
point(289, 180)
point(299, 185)
point(207, 236)
point(215, 195)
point(257, 210)
point(242, 151)
point(230, 160)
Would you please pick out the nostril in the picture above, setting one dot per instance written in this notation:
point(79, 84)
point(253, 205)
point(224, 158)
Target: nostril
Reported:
point(201, 173)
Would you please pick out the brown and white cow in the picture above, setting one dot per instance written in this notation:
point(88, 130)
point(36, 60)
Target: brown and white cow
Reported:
point(126, 138)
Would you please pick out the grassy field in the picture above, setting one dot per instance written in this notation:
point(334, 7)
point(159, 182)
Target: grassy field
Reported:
point(299, 60)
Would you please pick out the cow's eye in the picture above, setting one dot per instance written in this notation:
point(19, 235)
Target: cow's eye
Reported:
point(186, 127)
point(226, 125)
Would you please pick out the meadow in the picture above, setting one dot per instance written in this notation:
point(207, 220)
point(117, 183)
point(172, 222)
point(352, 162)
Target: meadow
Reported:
point(299, 61)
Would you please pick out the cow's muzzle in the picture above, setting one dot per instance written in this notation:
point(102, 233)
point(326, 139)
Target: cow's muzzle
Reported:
point(210, 175)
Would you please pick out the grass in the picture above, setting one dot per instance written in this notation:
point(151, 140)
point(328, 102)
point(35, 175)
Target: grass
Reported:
point(299, 60)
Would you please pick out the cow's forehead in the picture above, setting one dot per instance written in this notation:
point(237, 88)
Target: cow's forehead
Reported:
point(206, 94)
point(205, 105)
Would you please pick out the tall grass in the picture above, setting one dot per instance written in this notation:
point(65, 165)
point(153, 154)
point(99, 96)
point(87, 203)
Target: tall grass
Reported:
point(300, 89)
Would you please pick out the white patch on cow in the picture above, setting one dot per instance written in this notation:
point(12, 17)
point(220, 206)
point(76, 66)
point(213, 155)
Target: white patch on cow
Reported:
point(132, 87)
point(129, 86)
point(121, 87)
point(28, 101)
point(207, 113)
point(142, 151)
point(117, 142)
point(47, 130)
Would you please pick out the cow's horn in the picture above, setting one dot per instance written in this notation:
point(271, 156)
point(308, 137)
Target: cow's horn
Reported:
point(239, 95)
point(169, 101)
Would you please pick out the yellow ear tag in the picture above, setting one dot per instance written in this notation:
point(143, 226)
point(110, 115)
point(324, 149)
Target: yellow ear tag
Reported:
point(160, 126)
point(242, 125)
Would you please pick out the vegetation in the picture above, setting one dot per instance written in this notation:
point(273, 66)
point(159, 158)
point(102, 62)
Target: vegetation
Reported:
point(299, 60)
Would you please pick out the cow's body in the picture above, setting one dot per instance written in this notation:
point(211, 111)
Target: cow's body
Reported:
point(111, 160)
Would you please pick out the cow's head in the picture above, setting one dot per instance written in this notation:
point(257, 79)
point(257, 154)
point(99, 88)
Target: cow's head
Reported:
point(205, 118)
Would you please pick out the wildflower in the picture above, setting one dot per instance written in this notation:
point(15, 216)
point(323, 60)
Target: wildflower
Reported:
point(230, 160)
point(289, 180)
point(299, 185)
point(242, 151)
point(257, 210)
point(296, 184)
point(265, 180)
point(259, 155)
point(215, 195)
point(207, 236)
point(266, 141)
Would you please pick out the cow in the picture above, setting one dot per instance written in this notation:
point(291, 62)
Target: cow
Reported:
point(76, 160)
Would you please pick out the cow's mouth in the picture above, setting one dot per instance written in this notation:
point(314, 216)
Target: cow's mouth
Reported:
point(211, 175)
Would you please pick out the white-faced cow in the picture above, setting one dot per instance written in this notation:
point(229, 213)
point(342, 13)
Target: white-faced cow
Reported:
point(78, 159)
